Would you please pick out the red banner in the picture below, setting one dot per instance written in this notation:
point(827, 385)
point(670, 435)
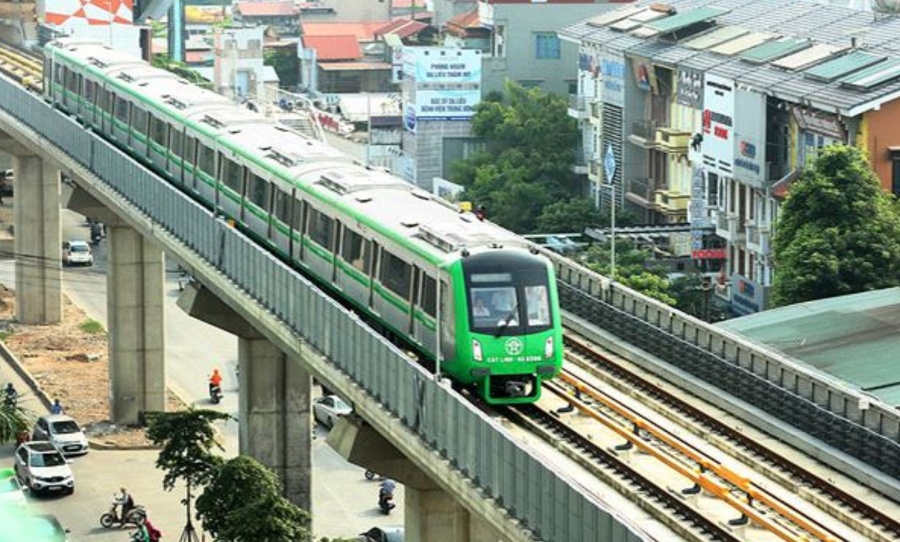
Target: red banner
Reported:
point(709, 254)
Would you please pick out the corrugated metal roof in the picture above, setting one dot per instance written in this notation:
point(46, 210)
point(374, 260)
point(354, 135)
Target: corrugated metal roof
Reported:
point(613, 16)
point(717, 36)
point(808, 57)
point(874, 76)
point(742, 43)
point(774, 49)
point(333, 47)
point(854, 337)
point(838, 67)
point(686, 18)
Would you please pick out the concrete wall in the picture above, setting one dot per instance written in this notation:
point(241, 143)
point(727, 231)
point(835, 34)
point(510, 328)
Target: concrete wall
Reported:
point(883, 132)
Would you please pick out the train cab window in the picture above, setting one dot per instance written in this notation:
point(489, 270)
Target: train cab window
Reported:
point(122, 109)
point(206, 160)
point(158, 131)
point(232, 175)
point(258, 191)
point(355, 250)
point(428, 296)
point(494, 303)
point(395, 274)
point(537, 305)
point(321, 228)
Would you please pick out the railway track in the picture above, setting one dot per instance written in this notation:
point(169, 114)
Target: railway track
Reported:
point(702, 478)
point(21, 66)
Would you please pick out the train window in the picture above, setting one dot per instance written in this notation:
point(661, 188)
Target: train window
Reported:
point(189, 145)
point(122, 109)
point(106, 101)
point(493, 307)
point(428, 299)
point(320, 228)
point(258, 191)
point(177, 142)
point(89, 88)
point(282, 206)
point(355, 250)
point(139, 120)
point(232, 175)
point(58, 74)
point(395, 274)
point(206, 159)
point(537, 305)
point(158, 131)
point(72, 82)
point(297, 215)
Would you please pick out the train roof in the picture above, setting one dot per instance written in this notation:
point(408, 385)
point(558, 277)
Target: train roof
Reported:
point(288, 147)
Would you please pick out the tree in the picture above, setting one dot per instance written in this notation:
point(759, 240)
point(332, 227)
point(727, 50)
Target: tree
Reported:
point(286, 64)
point(838, 233)
point(13, 420)
point(527, 163)
point(634, 269)
point(187, 439)
point(569, 216)
point(243, 502)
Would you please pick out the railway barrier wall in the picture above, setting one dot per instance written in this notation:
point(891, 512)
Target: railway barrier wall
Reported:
point(843, 417)
point(469, 448)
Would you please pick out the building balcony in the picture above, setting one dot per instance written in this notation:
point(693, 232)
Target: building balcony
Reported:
point(641, 192)
point(671, 203)
point(643, 134)
point(672, 141)
point(596, 112)
point(728, 227)
point(594, 170)
point(578, 107)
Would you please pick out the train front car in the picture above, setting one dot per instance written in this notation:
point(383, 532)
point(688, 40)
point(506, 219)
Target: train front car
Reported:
point(508, 324)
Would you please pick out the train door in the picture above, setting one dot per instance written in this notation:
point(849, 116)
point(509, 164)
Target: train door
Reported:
point(425, 311)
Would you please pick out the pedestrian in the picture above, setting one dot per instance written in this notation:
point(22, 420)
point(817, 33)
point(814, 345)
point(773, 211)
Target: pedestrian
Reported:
point(56, 408)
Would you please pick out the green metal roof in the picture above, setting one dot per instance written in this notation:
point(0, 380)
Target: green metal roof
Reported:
point(854, 338)
point(874, 75)
point(774, 49)
point(687, 18)
point(839, 67)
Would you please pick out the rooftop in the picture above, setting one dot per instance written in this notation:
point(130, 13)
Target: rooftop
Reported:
point(362, 31)
point(268, 8)
point(333, 47)
point(778, 47)
point(854, 338)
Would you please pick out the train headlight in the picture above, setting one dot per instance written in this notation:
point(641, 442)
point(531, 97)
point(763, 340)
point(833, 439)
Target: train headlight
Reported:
point(477, 354)
point(548, 347)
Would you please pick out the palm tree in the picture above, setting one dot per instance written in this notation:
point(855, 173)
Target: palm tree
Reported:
point(13, 420)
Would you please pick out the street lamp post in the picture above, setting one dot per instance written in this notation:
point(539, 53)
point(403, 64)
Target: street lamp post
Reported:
point(609, 168)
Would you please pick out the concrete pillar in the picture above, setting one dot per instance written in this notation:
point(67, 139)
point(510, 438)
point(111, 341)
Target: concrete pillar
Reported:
point(274, 409)
point(37, 242)
point(273, 398)
point(135, 280)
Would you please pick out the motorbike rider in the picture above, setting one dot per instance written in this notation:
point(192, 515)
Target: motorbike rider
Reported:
point(126, 502)
point(11, 396)
point(215, 381)
point(386, 495)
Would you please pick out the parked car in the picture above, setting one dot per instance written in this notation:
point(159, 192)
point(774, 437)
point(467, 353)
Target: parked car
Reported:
point(63, 431)
point(77, 252)
point(18, 527)
point(11, 494)
point(327, 409)
point(41, 467)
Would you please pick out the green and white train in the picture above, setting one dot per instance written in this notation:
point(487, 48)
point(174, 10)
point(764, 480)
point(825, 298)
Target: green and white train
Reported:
point(372, 239)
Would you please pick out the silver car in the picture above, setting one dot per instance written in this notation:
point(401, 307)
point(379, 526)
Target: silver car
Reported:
point(329, 408)
point(63, 431)
point(40, 466)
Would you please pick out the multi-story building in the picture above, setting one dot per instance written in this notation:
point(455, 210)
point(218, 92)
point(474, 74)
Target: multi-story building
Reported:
point(708, 109)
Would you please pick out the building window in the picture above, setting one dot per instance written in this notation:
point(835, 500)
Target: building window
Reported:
point(895, 172)
point(499, 41)
point(547, 46)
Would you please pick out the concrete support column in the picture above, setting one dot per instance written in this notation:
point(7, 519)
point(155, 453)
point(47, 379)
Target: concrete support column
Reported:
point(135, 280)
point(274, 409)
point(37, 241)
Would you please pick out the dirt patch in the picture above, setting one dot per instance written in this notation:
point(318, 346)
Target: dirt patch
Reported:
point(69, 362)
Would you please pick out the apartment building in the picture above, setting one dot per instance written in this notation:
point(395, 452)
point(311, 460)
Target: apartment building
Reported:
point(709, 109)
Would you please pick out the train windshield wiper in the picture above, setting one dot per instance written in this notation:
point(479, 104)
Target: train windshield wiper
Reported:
point(504, 323)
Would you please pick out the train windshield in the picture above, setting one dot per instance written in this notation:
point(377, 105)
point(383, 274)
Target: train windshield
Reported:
point(509, 302)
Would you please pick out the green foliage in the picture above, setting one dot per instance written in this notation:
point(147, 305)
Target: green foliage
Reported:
point(838, 233)
point(571, 216)
point(187, 439)
point(91, 327)
point(634, 268)
point(243, 502)
point(527, 163)
point(13, 420)
point(158, 28)
point(164, 62)
point(286, 64)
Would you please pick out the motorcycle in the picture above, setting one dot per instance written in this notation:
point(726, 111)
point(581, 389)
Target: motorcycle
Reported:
point(386, 496)
point(96, 233)
point(136, 516)
point(215, 394)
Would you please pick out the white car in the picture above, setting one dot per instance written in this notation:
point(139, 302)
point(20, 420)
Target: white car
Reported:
point(11, 494)
point(41, 467)
point(327, 409)
point(63, 431)
point(77, 252)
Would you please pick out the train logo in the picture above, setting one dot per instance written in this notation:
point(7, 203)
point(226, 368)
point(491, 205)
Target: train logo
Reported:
point(514, 346)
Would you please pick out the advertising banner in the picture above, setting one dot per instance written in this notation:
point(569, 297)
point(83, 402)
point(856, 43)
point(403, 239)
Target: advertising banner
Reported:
point(612, 75)
point(689, 88)
point(446, 84)
point(718, 125)
point(749, 142)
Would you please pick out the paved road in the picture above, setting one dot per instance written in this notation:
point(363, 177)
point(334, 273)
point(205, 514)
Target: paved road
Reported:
point(343, 501)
